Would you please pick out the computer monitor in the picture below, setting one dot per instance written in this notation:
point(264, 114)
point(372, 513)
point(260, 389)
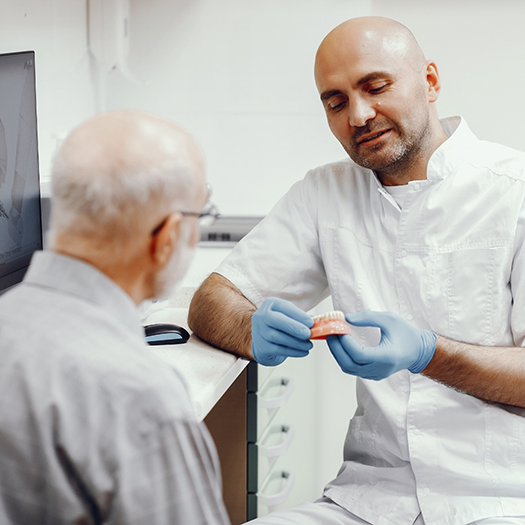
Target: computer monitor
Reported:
point(20, 217)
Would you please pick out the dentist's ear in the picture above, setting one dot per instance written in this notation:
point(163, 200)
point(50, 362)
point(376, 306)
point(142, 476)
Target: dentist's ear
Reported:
point(433, 80)
point(165, 241)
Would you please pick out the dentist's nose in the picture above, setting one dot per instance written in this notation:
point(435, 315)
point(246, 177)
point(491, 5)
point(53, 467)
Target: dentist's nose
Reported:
point(360, 111)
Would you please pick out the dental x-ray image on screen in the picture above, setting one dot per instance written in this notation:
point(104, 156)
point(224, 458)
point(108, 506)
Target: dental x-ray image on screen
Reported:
point(20, 220)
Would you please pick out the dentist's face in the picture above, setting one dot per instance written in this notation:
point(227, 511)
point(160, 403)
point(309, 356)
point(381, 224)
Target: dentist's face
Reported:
point(375, 100)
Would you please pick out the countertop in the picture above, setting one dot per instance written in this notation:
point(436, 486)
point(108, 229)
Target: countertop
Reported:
point(208, 372)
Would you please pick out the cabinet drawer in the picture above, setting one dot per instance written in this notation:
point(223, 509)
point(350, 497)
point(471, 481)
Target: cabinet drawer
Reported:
point(273, 445)
point(288, 479)
point(275, 490)
point(272, 397)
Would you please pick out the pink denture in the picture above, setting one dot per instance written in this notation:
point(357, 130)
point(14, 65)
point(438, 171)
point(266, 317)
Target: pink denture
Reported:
point(328, 324)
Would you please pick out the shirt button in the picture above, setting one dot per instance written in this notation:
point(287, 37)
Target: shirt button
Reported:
point(403, 253)
point(416, 431)
point(417, 186)
point(410, 317)
point(425, 491)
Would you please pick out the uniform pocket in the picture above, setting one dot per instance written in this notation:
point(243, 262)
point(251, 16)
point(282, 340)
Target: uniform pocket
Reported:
point(504, 459)
point(468, 294)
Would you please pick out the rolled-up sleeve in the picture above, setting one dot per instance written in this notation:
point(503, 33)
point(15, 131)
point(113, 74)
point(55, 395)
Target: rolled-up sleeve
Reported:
point(281, 256)
point(517, 282)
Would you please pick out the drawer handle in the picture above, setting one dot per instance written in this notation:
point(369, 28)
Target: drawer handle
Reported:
point(282, 398)
point(279, 497)
point(282, 447)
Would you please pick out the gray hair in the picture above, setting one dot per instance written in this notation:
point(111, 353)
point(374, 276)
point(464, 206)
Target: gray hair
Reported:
point(105, 192)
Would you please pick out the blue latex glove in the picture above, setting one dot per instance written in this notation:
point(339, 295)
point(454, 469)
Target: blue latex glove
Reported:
point(402, 346)
point(280, 330)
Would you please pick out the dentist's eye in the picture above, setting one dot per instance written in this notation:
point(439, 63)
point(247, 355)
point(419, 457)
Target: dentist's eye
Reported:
point(377, 89)
point(336, 106)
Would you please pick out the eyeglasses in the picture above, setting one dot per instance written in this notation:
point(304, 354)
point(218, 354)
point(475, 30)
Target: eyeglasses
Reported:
point(206, 217)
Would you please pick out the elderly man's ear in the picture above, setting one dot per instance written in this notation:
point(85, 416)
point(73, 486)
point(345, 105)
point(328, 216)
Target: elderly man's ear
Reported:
point(165, 241)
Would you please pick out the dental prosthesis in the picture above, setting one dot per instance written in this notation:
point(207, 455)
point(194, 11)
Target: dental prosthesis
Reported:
point(328, 324)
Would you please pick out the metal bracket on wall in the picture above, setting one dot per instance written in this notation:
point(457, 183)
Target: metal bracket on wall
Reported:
point(108, 40)
point(228, 230)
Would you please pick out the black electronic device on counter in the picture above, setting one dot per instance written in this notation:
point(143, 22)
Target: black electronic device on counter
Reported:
point(165, 334)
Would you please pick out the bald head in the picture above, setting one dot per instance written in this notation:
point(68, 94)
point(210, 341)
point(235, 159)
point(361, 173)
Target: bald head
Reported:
point(118, 141)
point(371, 36)
point(118, 174)
point(378, 92)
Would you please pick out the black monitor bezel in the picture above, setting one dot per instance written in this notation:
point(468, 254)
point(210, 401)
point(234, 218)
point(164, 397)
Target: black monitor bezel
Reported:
point(16, 276)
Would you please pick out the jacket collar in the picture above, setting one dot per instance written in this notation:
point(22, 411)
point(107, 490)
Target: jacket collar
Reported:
point(74, 277)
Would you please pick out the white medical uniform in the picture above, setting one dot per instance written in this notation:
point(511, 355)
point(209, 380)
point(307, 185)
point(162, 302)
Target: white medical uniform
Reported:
point(451, 260)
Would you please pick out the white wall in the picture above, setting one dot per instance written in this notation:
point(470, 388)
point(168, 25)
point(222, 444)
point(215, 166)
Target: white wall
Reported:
point(479, 48)
point(56, 31)
point(237, 74)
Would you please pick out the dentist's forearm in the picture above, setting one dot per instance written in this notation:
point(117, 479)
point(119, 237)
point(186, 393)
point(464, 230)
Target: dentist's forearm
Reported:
point(490, 373)
point(221, 315)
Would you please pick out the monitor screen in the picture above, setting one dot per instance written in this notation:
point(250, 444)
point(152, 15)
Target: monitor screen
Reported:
point(20, 218)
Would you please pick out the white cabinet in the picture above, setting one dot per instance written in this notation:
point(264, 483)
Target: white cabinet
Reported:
point(287, 434)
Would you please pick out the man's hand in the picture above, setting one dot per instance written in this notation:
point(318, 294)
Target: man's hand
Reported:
point(280, 330)
point(402, 346)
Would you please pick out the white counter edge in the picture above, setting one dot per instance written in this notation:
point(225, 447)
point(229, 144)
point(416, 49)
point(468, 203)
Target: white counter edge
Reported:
point(207, 371)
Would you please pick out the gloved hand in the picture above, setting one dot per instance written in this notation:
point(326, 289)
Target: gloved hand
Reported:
point(402, 346)
point(280, 330)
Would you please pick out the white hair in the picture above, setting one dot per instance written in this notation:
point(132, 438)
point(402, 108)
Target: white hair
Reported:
point(107, 192)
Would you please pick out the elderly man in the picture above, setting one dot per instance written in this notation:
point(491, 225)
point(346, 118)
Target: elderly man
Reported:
point(93, 427)
point(421, 233)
